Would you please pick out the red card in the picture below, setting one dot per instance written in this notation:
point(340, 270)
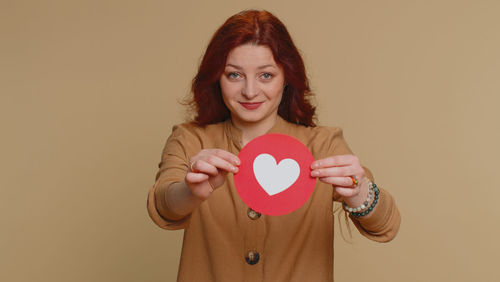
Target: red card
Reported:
point(274, 177)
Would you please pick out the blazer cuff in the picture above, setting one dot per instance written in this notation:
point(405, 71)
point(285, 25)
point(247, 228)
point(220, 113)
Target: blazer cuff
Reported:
point(159, 212)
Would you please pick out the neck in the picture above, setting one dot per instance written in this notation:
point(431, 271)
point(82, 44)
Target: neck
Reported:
point(252, 130)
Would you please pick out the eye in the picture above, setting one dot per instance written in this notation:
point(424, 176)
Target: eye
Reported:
point(233, 75)
point(266, 76)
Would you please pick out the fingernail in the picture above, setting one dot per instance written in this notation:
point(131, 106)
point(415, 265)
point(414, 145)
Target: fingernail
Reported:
point(315, 173)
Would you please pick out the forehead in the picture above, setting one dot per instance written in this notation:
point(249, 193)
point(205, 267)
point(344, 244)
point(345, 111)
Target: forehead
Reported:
point(251, 55)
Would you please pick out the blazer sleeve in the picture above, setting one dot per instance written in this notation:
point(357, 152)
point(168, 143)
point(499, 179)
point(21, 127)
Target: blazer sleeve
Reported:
point(172, 168)
point(383, 223)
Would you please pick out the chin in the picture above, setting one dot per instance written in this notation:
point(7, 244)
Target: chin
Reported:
point(250, 119)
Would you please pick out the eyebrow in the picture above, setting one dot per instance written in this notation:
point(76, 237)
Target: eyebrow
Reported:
point(239, 68)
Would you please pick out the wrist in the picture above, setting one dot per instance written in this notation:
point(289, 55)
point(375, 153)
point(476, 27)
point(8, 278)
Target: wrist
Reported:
point(360, 198)
point(368, 204)
point(180, 199)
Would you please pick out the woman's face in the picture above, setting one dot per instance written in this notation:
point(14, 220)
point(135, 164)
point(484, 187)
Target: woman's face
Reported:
point(252, 85)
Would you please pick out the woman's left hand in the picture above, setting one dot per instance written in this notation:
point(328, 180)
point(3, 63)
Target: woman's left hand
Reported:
point(338, 170)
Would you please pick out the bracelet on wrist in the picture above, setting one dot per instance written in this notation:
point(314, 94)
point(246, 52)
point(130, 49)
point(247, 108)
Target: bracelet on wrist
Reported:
point(365, 208)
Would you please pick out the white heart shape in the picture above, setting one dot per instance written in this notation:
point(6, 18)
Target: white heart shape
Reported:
point(274, 178)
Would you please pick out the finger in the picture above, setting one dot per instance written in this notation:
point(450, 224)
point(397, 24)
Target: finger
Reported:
point(337, 181)
point(225, 155)
point(201, 191)
point(347, 192)
point(201, 166)
point(340, 160)
point(218, 180)
point(337, 171)
point(193, 177)
point(219, 163)
point(212, 187)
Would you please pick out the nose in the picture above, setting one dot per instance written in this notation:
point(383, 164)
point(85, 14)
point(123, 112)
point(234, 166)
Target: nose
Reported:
point(250, 89)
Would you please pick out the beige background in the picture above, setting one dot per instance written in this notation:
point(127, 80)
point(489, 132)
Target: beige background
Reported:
point(88, 98)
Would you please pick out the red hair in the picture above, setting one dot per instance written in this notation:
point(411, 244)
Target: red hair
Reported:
point(260, 28)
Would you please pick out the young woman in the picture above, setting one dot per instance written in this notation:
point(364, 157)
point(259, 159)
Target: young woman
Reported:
point(251, 82)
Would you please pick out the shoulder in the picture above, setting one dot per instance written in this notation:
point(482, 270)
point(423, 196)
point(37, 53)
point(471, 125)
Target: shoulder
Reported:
point(314, 135)
point(191, 129)
point(321, 140)
point(192, 137)
point(325, 131)
point(324, 139)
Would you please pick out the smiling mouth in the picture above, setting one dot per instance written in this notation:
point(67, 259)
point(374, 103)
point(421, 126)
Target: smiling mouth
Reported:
point(251, 106)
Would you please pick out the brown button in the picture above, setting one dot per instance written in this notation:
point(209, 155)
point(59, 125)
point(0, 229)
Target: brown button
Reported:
point(253, 214)
point(252, 257)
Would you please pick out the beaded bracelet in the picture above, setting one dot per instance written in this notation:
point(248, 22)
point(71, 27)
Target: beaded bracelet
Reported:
point(360, 211)
point(365, 203)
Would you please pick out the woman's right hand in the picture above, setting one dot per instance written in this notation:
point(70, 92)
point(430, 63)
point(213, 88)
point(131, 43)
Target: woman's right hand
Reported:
point(207, 171)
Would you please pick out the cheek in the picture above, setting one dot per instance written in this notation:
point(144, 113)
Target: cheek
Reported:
point(226, 99)
point(275, 92)
point(275, 89)
point(228, 89)
point(224, 89)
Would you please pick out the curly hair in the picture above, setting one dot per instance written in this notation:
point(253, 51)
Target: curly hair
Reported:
point(259, 28)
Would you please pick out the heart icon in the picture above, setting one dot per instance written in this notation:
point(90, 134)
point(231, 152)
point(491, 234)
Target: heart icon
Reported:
point(275, 178)
point(274, 175)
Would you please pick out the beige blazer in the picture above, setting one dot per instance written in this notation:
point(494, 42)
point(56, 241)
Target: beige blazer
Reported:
point(226, 241)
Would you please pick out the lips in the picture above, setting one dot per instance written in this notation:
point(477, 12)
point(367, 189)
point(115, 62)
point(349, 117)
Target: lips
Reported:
point(251, 106)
